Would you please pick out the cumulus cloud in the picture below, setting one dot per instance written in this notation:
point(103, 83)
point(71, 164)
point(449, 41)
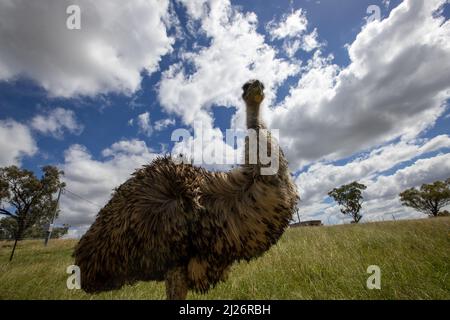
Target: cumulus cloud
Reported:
point(237, 53)
point(333, 112)
point(163, 123)
point(56, 121)
point(293, 29)
point(310, 41)
point(16, 142)
point(114, 45)
point(291, 25)
point(395, 87)
point(381, 195)
point(422, 171)
point(320, 178)
point(94, 180)
point(143, 121)
point(376, 108)
point(291, 47)
point(216, 73)
point(126, 147)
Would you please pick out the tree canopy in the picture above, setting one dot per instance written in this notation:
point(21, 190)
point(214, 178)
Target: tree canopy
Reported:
point(27, 200)
point(429, 198)
point(350, 198)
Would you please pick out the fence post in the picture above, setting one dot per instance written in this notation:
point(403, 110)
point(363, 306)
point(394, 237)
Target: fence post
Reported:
point(50, 226)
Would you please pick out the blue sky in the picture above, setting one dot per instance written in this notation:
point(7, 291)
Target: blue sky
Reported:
point(344, 98)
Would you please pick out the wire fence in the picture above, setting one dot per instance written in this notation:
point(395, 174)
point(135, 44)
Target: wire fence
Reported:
point(43, 233)
point(81, 198)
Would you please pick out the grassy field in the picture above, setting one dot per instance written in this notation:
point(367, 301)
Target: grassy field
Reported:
point(307, 263)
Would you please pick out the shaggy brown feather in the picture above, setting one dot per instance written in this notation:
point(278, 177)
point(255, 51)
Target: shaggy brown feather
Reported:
point(181, 223)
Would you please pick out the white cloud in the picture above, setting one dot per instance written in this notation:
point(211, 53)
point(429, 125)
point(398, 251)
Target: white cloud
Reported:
point(333, 112)
point(76, 232)
point(422, 171)
point(381, 195)
point(291, 47)
point(144, 124)
point(127, 147)
point(56, 121)
point(388, 210)
point(237, 53)
point(395, 87)
point(94, 180)
point(206, 147)
point(320, 178)
point(115, 44)
point(310, 41)
point(164, 123)
point(292, 28)
point(292, 25)
point(16, 142)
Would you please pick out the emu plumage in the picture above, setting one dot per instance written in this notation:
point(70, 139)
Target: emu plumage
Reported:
point(185, 225)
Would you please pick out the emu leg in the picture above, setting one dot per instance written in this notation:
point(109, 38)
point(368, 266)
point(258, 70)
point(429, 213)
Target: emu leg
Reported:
point(176, 284)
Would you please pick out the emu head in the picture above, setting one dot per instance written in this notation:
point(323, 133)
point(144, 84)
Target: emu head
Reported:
point(253, 92)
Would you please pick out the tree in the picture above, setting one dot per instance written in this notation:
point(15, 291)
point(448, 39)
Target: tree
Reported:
point(444, 213)
point(58, 232)
point(429, 199)
point(8, 227)
point(350, 198)
point(29, 199)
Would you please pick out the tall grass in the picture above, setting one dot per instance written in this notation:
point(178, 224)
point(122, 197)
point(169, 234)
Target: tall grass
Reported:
point(307, 263)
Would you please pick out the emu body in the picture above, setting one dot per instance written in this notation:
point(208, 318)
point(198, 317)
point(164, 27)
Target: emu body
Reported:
point(185, 225)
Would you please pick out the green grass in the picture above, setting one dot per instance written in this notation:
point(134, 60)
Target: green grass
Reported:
point(307, 263)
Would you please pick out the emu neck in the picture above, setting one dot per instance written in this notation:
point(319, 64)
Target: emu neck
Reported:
point(254, 122)
point(253, 116)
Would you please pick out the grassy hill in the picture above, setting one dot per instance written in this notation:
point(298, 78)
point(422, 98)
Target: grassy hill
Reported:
point(307, 263)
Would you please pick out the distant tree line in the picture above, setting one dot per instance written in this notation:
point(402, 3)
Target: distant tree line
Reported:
point(429, 199)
